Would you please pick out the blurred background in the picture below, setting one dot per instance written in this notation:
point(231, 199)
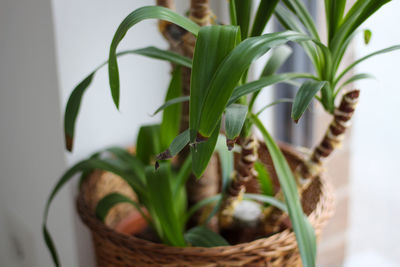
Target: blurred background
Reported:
point(47, 47)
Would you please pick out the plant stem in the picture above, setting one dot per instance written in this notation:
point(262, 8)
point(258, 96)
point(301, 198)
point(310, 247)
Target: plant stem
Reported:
point(243, 176)
point(332, 139)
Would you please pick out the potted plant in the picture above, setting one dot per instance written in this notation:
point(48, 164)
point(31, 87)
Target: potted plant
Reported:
point(209, 114)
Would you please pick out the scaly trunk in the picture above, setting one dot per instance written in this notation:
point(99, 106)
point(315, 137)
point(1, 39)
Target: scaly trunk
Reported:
point(332, 139)
point(243, 175)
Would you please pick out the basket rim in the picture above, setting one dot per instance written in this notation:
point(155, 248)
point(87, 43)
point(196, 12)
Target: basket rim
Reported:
point(284, 240)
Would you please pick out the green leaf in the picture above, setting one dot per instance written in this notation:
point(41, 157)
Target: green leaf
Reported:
point(171, 102)
point(212, 46)
point(267, 200)
point(235, 116)
point(159, 190)
point(232, 12)
point(354, 78)
point(184, 173)
point(304, 234)
point(243, 10)
point(358, 13)
point(170, 123)
point(140, 14)
point(264, 12)
point(334, 10)
point(230, 72)
point(304, 97)
point(264, 178)
point(278, 56)
point(259, 84)
point(202, 152)
point(355, 63)
point(112, 199)
point(201, 204)
point(281, 100)
point(367, 36)
point(84, 166)
point(148, 143)
point(304, 16)
point(201, 236)
point(176, 145)
point(75, 99)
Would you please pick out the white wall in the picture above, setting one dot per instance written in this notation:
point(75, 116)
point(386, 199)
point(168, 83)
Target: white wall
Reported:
point(31, 146)
point(375, 198)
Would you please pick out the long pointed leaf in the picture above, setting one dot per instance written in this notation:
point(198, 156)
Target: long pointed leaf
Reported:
point(171, 102)
point(201, 236)
point(212, 46)
point(264, 12)
point(304, 97)
point(170, 123)
point(243, 10)
point(148, 143)
point(304, 234)
point(140, 14)
point(235, 116)
point(230, 72)
point(75, 99)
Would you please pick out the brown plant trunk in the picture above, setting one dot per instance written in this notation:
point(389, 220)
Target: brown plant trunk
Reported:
point(244, 174)
point(332, 139)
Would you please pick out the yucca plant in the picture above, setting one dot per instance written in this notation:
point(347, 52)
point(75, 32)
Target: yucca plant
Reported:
point(207, 93)
point(341, 28)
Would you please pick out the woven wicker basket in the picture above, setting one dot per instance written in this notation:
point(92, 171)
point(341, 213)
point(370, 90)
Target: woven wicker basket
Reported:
point(116, 249)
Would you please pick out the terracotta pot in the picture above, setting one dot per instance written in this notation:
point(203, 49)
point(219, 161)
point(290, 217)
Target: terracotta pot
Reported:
point(132, 224)
point(116, 249)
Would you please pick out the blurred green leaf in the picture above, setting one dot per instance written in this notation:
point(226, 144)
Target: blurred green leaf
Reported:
point(159, 191)
point(176, 145)
point(304, 234)
point(354, 78)
point(201, 236)
point(212, 46)
point(264, 12)
point(281, 100)
point(304, 97)
point(75, 99)
point(202, 152)
point(140, 14)
point(367, 36)
point(334, 10)
point(243, 11)
point(112, 199)
point(170, 123)
point(148, 143)
point(235, 116)
point(230, 72)
point(171, 102)
point(267, 200)
point(264, 179)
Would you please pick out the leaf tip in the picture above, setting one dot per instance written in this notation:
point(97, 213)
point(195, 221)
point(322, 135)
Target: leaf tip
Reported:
point(69, 142)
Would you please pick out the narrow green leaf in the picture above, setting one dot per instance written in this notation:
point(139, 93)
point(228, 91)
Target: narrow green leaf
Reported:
point(264, 178)
point(243, 11)
point(259, 84)
point(267, 200)
point(354, 78)
point(304, 97)
point(201, 236)
point(201, 204)
point(176, 145)
point(232, 12)
point(334, 10)
point(327, 100)
point(230, 72)
point(235, 116)
point(212, 46)
point(159, 190)
point(367, 36)
point(184, 172)
point(304, 234)
point(148, 143)
point(75, 99)
point(83, 166)
point(112, 199)
point(281, 100)
point(170, 123)
point(264, 12)
point(355, 63)
point(171, 102)
point(140, 14)
point(202, 152)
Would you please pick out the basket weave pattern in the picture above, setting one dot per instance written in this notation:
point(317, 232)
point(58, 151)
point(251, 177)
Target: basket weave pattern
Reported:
point(116, 249)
